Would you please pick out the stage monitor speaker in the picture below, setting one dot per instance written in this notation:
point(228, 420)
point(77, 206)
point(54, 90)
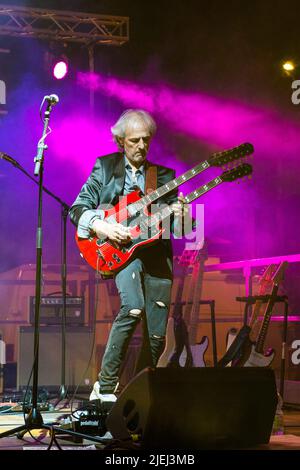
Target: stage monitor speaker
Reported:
point(196, 408)
point(79, 341)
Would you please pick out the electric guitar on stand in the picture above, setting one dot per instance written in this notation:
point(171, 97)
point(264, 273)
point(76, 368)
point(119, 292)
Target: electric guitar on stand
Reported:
point(244, 350)
point(132, 211)
point(241, 341)
point(177, 331)
point(257, 357)
point(193, 351)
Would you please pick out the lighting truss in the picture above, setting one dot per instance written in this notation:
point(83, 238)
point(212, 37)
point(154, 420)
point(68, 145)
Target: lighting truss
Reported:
point(65, 26)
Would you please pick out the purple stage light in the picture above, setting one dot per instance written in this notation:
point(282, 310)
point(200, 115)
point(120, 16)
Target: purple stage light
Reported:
point(60, 70)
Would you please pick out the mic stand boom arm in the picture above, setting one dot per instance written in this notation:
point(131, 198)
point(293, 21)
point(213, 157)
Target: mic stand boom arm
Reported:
point(17, 165)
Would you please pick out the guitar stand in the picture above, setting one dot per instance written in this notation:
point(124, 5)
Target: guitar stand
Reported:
point(250, 300)
point(211, 304)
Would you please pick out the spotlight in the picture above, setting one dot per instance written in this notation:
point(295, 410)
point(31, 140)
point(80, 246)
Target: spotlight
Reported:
point(288, 66)
point(56, 62)
point(60, 69)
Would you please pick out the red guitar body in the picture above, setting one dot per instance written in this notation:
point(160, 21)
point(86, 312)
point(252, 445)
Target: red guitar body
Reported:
point(108, 257)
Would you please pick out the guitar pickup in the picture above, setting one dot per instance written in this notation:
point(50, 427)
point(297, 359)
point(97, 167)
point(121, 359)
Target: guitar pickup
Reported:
point(116, 257)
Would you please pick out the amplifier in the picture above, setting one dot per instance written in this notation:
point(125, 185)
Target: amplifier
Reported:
point(78, 347)
point(52, 307)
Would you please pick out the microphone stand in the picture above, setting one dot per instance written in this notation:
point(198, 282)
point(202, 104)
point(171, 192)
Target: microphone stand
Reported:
point(62, 390)
point(34, 419)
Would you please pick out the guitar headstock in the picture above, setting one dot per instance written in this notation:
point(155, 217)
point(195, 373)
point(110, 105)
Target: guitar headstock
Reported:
point(266, 280)
point(239, 172)
point(228, 156)
point(193, 256)
point(272, 275)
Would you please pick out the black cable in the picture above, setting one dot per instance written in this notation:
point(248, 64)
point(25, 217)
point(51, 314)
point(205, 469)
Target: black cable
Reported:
point(53, 440)
point(93, 344)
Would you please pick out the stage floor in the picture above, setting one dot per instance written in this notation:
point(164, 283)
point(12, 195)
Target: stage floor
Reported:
point(290, 440)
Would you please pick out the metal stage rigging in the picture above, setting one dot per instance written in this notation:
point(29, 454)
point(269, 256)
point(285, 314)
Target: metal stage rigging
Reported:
point(67, 26)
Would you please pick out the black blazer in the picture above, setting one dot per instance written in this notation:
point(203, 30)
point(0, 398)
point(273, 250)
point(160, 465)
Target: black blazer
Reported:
point(105, 185)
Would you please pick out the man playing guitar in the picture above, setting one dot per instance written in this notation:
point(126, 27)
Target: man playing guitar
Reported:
point(144, 284)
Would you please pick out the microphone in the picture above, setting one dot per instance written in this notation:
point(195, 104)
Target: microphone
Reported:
point(52, 99)
point(9, 159)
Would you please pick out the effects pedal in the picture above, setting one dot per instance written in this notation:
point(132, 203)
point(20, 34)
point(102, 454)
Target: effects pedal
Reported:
point(89, 419)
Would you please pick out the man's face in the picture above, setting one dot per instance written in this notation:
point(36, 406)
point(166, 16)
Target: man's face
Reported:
point(136, 143)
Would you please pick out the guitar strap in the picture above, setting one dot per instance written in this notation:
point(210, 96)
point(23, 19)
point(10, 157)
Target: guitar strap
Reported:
point(151, 178)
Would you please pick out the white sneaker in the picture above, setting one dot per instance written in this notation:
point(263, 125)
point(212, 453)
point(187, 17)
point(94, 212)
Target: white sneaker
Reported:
point(95, 394)
point(108, 397)
point(104, 397)
point(107, 435)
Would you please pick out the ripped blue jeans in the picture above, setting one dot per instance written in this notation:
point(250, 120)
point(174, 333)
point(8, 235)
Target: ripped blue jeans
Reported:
point(143, 297)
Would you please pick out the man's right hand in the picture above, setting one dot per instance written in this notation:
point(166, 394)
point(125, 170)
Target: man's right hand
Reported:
point(114, 232)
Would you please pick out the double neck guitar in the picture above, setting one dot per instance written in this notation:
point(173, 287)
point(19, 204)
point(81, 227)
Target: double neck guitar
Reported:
point(133, 211)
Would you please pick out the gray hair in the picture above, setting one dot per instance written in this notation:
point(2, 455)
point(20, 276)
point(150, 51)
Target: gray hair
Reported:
point(131, 116)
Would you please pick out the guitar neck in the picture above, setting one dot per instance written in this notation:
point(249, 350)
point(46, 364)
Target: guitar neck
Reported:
point(216, 159)
point(196, 290)
point(265, 324)
point(265, 284)
point(177, 312)
point(255, 313)
point(203, 189)
point(175, 183)
point(167, 211)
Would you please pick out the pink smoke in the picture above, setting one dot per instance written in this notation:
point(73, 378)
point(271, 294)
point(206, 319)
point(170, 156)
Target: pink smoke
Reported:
point(216, 121)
